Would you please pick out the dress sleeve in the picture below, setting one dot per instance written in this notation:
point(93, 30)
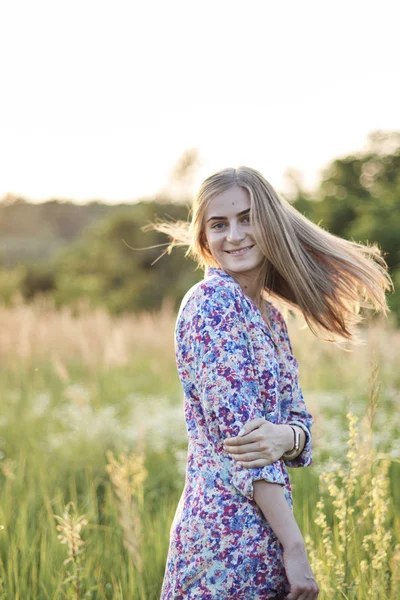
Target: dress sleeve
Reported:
point(298, 413)
point(225, 378)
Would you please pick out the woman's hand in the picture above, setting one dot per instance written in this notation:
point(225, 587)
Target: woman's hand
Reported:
point(262, 443)
point(301, 578)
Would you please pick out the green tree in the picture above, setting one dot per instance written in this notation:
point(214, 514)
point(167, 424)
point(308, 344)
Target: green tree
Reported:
point(119, 265)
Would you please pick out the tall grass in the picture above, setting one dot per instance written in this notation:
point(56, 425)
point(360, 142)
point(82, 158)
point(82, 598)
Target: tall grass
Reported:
point(91, 423)
point(70, 525)
point(353, 555)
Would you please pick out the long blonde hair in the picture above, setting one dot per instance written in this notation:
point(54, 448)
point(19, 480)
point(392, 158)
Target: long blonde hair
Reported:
point(326, 278)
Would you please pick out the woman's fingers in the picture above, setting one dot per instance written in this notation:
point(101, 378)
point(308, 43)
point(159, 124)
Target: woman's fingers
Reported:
point(251, 425)
point(254, 447)
point(249, 438)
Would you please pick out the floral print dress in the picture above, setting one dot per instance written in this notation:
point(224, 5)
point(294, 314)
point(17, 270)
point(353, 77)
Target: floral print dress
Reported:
point(232, 370)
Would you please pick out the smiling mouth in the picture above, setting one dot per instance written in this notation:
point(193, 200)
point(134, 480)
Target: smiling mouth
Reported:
point(240, 251)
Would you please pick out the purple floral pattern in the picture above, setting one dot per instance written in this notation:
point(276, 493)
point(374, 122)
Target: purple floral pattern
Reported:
point(232, 370)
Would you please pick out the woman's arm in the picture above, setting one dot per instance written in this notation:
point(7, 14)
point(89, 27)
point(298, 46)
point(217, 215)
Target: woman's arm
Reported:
point(291, 392)
point(213, 341)
point(263, 442)
point(271, 500)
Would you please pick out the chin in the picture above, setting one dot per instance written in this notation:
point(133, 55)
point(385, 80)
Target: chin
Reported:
point(234, 267)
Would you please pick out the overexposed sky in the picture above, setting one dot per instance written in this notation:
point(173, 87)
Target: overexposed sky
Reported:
point(98, 100)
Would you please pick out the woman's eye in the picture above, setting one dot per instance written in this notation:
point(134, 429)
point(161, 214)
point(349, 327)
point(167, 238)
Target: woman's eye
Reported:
point(245, 219)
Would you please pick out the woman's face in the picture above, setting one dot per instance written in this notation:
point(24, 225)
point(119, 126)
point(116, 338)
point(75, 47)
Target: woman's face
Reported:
point(229, 234)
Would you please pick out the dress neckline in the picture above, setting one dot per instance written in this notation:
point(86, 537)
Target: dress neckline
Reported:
point(266, 326)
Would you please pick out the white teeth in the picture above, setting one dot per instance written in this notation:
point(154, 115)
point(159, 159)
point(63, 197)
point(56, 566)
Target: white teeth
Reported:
point(239, 251)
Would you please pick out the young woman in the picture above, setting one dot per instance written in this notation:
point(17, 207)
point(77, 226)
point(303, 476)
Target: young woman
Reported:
point(234, 535)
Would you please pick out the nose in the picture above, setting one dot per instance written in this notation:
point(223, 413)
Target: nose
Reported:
point(234, 234)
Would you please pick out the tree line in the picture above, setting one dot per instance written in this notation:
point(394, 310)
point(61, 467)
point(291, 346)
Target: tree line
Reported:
point(99, 252)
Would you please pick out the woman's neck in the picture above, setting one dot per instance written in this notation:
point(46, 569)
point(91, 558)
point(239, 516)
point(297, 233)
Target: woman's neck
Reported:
point(251, 286)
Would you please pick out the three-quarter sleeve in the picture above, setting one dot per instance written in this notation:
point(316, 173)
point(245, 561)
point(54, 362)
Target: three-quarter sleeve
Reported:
point(297, 411)
point(225, 377)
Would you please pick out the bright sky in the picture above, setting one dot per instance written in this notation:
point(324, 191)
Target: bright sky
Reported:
point(100, 99)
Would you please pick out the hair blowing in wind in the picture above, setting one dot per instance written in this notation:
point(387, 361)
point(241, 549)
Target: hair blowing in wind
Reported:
point(325, 277)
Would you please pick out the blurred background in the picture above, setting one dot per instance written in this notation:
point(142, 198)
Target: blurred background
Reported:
point(111, 115)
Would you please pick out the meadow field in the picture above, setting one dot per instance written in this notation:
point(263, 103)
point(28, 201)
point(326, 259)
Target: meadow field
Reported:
point(93, 447)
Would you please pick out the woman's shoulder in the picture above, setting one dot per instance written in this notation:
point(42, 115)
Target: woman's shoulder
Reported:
point(212, 293)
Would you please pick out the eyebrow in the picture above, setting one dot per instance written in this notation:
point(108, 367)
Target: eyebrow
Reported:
point(244, 212)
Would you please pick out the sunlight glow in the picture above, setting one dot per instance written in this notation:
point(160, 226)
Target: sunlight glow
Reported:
point(101, 99)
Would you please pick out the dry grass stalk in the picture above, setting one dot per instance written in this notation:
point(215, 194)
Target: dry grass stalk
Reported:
point(359, 489)
point(70, 526)
point(128, 475)
point(395, 571)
